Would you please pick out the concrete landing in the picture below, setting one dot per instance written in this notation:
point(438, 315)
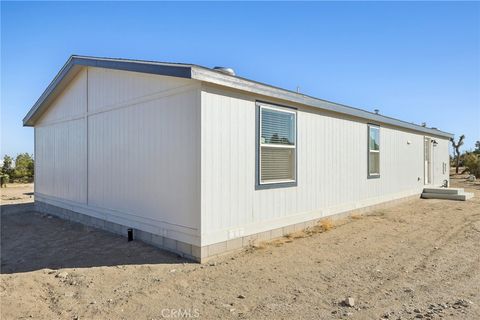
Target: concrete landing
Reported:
point(446, 193)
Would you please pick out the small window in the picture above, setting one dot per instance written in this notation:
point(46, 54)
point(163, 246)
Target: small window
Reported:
point(276, 146)
point(373, 151)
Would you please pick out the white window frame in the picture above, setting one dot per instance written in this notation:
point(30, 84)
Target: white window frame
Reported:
point(372, 175)
point(279, 182)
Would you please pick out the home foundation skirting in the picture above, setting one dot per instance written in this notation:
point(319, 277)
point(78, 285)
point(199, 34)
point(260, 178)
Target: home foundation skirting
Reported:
point(183, 249)
point(204, 253)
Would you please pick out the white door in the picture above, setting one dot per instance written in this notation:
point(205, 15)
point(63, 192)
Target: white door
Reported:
point(427, 156)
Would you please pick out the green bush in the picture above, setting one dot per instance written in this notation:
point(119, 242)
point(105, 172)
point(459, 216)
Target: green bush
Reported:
point(472, 163)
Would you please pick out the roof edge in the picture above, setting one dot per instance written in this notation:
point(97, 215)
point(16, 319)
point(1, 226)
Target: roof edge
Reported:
point(165, 69)
point(239, 83)
point(190, 71)
point(58, 78)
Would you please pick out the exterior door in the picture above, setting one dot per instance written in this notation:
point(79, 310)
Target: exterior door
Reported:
point(427, 156)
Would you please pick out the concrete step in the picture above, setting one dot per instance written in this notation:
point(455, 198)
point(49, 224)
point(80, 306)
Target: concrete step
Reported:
point(448, 196)
point(444, 190)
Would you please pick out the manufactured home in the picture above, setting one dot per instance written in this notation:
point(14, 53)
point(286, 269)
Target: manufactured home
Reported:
point(200, 161)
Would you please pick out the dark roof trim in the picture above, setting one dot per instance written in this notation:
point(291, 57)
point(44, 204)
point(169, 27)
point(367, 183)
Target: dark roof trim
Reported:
point(74, 63)
point(164, 69)
point(200, 73)
point(207, 75)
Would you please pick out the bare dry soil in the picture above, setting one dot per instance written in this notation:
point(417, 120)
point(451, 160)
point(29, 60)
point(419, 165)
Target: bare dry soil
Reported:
point(419, 259)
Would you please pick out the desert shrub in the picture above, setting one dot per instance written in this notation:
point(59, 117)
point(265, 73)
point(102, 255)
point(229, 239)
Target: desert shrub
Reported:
point(472, 163)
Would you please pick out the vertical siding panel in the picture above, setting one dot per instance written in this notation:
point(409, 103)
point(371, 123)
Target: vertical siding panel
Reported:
point(145, 161)
point(61, 156)
point(309, 138)
point(205, 158)
point(240, 154)
point(216, 158)
point(329, 164)
point(323, 163)
point(235, 196)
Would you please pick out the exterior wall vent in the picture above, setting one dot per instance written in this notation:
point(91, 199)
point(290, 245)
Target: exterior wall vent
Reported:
point(225, 70)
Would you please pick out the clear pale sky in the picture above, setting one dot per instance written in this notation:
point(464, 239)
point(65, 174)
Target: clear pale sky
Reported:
point(413, 61)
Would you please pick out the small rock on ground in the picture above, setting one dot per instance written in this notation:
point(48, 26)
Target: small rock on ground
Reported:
point(349, 301)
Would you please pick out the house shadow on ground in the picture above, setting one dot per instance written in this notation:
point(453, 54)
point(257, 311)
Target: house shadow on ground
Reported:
point(32, 241)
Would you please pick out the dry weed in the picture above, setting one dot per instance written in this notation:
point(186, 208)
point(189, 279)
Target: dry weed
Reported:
point(259, 245)
point(326, 224)
point(322, 226)
point(315, 229)
point(377, 214)
point(279, 242)
point(296, 235)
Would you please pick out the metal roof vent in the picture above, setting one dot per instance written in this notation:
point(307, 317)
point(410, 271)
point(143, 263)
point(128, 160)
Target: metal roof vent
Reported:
point(225, 70)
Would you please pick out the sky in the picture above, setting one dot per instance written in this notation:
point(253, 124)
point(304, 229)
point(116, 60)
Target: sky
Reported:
point(415, 61)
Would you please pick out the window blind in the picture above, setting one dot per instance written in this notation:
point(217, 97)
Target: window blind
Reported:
point(277, 164)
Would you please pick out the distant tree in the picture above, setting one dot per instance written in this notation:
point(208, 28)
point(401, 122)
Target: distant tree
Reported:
point(456, 149)
point(477, 147)
point(7, 168)
point(24, 167)
point(4, 179)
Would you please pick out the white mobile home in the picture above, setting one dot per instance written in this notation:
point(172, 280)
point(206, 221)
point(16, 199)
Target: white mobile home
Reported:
point(199, 161)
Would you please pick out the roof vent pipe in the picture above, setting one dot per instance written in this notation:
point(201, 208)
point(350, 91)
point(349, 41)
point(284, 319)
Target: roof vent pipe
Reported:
point(225, 70)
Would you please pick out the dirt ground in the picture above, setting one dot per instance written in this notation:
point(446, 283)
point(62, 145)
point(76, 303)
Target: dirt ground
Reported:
point(419, 259)
point(17, 193)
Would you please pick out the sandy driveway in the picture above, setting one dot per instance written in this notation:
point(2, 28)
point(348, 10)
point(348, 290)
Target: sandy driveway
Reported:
point(420, 259)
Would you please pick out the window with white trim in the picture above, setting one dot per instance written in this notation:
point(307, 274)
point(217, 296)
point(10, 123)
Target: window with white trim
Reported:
point(373, 151)
point(276, 145)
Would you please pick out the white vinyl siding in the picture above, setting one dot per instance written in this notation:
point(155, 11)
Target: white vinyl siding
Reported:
point(277, 145)
point(373, 151)
point(108, 146)
point(330, 172)
point(113, 152)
